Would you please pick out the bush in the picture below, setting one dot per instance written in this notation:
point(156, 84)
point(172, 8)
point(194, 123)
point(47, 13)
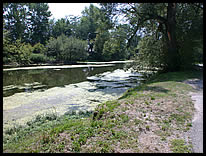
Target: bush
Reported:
point(20, 52)
point(38, 58)
point(67, 49)
point(39, 48)
point(151, 54)
point(75, 50)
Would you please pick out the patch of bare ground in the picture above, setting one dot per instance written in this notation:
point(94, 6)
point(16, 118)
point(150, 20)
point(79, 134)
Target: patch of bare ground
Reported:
point(156, 121)
point(144, 123)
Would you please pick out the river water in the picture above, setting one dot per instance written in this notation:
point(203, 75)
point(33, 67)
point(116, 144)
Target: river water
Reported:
point(29, 92)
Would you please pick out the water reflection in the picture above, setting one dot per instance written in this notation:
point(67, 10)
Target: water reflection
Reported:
point(42, 79)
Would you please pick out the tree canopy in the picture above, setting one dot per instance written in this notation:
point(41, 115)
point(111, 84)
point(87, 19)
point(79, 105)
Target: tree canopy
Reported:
point(168, 36)
point(169, 22)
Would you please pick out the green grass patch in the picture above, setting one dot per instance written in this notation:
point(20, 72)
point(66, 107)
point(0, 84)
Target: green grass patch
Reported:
point(177, 76)
point(180, 118)
point(178, 146)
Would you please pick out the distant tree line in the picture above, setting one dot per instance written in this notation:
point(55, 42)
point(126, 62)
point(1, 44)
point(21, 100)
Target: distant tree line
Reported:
point(163, 35)
point(29, 36)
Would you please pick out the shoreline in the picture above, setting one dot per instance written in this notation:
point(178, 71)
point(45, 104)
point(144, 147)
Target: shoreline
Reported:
point(57, 67)
point(54, 66)
point(150, 118)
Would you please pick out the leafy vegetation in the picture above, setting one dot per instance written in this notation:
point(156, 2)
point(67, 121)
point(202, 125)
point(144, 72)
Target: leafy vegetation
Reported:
point(115, 47)
point(164, 36)
point(166, 33)
point(67, 49)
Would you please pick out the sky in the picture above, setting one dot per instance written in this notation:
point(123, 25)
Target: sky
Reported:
point(60, 10)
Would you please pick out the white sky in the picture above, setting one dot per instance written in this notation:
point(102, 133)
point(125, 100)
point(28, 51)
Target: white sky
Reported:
point(60, 10)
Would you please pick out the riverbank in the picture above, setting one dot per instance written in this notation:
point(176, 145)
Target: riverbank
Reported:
point(60, 66)
point(79, 89)
point(153, 117)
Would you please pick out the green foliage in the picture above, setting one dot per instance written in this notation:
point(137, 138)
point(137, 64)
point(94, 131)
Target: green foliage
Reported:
point(39, 22)
point(115, 47)
point(88, 22)
point(19, 52)
point(6, 47)
point(39, 48)
point(67, 49)
point(93, 20)
point(151, 54)
point(38, 58)
point(178, 27)
point(75, 50)
point(101, 38)
point(61, 26)
point(190, 34)
point(178, 146)
point(15, 20)
point(27, 21)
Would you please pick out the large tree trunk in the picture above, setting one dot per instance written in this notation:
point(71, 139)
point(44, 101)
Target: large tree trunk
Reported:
point(173, 63)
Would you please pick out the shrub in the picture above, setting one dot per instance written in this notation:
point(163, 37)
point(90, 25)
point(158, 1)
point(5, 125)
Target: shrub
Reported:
point(38, 58)
point(151, 53)
point(20, 52)
point(39, 48)
point(67, 49)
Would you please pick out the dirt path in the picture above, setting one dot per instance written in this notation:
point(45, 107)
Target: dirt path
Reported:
point(196, 132)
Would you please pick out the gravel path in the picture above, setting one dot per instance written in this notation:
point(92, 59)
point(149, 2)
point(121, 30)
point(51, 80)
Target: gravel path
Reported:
point(196, 132)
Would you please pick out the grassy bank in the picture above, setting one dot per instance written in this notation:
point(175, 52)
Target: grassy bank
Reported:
point(153, 117)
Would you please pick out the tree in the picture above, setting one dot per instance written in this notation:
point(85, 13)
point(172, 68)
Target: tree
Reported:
point(88, 22)
point(159, 19)
point(6, 46)
point(190, 33)
point(100, 40)
point(14, 15)
point(74, 25)
point(61, 26)
point(16, 51)
point(19, 52)
point(39, 22)
point(115, 46)
point(75, 50)
point(164, 17)
point(27, 21)
point(66, 49)
point(151, 54)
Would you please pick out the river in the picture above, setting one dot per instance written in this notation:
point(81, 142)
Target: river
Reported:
point(29, 91)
